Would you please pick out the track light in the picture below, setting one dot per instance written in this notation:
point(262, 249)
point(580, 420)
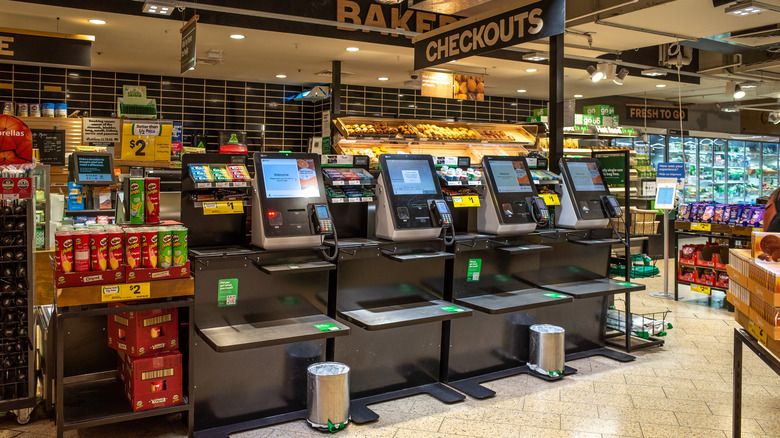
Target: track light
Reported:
point(620, 76)
point(738, 92)
point(535, 56)
point(159, 7)
point(749, 7)
point(596, 74)
point(610, 71)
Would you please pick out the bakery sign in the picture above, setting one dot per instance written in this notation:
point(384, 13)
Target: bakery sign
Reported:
point(647, 112)
point(497, 29)
point(45, 47)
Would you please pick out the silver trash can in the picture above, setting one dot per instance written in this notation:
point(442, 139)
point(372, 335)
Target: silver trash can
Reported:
point(327, 405)
point(547, 350)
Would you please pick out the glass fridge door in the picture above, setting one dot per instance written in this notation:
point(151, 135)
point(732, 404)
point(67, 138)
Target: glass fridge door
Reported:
point(769, 181)
point(676, 156)
point(752, 170)
point(736, 174)
point(705, 179)
point(657, 148)
point(719, 160)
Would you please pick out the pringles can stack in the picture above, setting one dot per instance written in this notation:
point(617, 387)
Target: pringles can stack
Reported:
point(144, 200)
point(136, 201)
point(179, 234)
point(83, 249)
point(152, 195)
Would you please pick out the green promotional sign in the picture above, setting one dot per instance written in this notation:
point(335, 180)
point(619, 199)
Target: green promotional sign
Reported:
point(474, 268)
point(227, 292)
point(327, 327)
point(614, 170)
point(452, 309)
point(555, 295)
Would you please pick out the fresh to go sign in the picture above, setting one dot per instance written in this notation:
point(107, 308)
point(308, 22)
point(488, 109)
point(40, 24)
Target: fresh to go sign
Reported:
point(656, 112)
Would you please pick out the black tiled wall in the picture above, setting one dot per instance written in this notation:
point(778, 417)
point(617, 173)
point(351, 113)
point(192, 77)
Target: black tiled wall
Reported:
point(208, 106)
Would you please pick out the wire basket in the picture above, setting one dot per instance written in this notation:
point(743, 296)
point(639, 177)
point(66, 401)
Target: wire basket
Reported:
point(643, 325)
point(642, 222)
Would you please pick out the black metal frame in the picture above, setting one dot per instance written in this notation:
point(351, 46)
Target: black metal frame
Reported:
point(107, 380)
point(741, 336)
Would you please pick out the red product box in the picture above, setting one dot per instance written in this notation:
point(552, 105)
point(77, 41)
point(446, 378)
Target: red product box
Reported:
point(691, 261)
point(686, 275)
point(706, 277)
point(154, 381)
point(701, 262)
point(89, 278)
point(143, 333)
point(151, 274)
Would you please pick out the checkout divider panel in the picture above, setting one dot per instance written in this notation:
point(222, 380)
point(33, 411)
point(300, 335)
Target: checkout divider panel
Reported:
point(395, 358)
point(81, 337)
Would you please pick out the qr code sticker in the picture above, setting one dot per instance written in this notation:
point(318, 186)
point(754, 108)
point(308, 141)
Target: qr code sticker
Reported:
point(475, 276)
point(231, 300)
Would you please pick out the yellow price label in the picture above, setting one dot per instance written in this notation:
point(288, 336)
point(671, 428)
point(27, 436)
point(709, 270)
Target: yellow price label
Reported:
point(126, 291)
point(757, 332)
point(551, 199)
point(701, 288)
point(223, 207)
point(758, 230)
point(465, 201)
point(695, 226)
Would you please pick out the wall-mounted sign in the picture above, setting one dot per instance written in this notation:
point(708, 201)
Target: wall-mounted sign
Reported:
point(188, 53)
point(493, 30)
point(391, 17)
point(101, 131)
point(436, 84)
point(668, 113)
point(46, 47)
point(618, 131)
point(50, 145)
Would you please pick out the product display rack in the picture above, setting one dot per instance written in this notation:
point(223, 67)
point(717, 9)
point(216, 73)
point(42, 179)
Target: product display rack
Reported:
point(731, 233)
point(91, 393)
point(17, 280)
point(742, 337)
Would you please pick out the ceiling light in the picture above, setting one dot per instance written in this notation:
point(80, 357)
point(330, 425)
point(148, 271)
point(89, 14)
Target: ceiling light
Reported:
point(578, 95)
point(749, 7)
point(96, 21)
point(739, 93)
point(452, 61)
point(237, 36)
point(653, 72)
point(281, 76)
point(660, 85)
point(535, 56)
point(729, 110)
point(531, 70)
point(159, 7)
point(521, 91)
point(383, 79)
point(747, 85)
point(620, 76)
point(192, 68)
point(353, 49)
point(596, 74)
point(774, 118)
point(610, 71)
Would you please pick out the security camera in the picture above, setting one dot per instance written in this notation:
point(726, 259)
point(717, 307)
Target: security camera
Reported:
point(414, 76)
point(774, 117)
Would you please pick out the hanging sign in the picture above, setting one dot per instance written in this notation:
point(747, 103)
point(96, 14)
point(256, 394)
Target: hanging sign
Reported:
point(649, 112)
point(188, 53)
point(16, 141)
point(503, 27)
point(46, 47)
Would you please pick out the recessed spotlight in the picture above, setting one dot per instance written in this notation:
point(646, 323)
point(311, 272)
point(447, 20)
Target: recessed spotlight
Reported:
point(535, 56)
point(530, 70)
point(451, 61)
point(96, 21)
point(383, 79)
point(521, 91)
point(353, 49)
point(739, 93)
point(237, 36)
point(281, 76)
point(578, 95)
point(660, 85)
point(192, 68)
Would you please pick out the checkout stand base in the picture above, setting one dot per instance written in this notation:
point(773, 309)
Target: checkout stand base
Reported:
point(226, 431)
point(360, 413)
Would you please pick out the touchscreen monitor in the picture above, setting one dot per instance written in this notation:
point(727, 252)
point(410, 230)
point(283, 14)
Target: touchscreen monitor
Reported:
point(585, 176)
point(510, 176)
point(93, 169)
point(289, 178)
point(411, 177)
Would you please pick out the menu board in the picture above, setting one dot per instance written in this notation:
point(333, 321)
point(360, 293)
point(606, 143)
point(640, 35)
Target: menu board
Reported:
point(50, 145)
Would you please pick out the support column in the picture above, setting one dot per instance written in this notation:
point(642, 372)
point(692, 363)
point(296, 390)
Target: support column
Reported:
point(335, 89)
point(555, 117)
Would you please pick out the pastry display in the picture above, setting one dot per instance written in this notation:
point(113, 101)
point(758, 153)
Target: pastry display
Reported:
point(435, 132)
point(376, 128)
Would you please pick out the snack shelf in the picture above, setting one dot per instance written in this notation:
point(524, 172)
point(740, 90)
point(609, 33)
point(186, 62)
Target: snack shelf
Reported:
point(221, 185)
point(354, 200)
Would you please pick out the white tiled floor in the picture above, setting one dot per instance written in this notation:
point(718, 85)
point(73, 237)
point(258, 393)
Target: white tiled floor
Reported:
point(680, 390)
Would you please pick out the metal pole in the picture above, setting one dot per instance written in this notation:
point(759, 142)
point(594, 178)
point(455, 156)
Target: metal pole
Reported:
point(665, 295)
point(555, 118)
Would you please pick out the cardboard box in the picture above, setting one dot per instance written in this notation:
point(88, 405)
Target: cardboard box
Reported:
point(151, 274)
point(143, 333)
point(89, 278)
point(154, 381)
point(737, 277)
point(737, 303)
point(765, 246)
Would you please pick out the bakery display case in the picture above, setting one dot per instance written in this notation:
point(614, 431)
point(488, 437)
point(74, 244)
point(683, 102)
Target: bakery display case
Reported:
point(372, 136)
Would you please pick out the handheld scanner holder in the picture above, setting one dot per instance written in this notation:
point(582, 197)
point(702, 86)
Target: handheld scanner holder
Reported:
point(611, 207)
point(538, 209)
point(508, 187)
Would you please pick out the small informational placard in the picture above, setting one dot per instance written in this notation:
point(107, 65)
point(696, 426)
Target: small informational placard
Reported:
point(452, 309)
point(227, 292)
point(465, 201)
point(473, 270)
point(445, 161)
point(551, 199)
point(126, 291)
point(436, 84)
point(336, 160)
point(50, 145)
point(223, 207)
point(556, 295)
point(696, 226)
point(675, 171)
point(701, 289)
point(757, 332)
point(664, 196)
point(99, 130)
point(327, 327)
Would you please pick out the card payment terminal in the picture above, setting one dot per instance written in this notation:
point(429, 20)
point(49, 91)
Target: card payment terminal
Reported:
point(585, 202)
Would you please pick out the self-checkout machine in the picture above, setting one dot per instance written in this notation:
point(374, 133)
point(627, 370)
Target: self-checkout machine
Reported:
point(393, 348)
point(494, 342)
point(578, 264)
point(257, 315)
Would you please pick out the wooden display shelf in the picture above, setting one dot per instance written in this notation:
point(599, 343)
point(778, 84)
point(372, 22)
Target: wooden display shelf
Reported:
point(88, 295)
point(143, 163)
